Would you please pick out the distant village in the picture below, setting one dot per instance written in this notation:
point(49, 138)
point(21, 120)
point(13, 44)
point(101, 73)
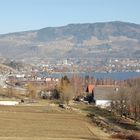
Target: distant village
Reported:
point(18, 73)
point(49, 71)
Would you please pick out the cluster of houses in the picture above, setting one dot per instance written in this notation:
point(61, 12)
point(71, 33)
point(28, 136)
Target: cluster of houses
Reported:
point(22, 79)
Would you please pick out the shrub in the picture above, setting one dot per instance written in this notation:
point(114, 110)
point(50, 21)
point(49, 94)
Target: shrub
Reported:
point(126, 136)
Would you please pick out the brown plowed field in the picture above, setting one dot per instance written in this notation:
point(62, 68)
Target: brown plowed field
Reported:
point(44, 123)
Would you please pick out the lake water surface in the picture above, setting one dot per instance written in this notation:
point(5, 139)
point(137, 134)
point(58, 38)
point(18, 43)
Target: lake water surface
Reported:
point(112, 75)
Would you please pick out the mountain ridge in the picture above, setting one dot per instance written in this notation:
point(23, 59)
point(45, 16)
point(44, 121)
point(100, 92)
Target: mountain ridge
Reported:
point(115, 39)
point(116, 21)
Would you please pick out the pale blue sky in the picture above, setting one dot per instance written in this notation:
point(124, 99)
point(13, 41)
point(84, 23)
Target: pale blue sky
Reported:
point(22, 15)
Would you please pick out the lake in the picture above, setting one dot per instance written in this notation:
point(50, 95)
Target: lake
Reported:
point(112, 75)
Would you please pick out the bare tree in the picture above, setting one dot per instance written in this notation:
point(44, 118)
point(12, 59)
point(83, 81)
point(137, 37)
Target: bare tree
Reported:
point(120, 101)
point(126, 101)
point(10, 92)
point(66, 90)
point(134, 85)
point(32, 90)
point(135, 102)
point(77, 85)
point(123, 101)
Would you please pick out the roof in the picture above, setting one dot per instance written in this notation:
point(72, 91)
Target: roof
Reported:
point(104, 92)
point(90, 88)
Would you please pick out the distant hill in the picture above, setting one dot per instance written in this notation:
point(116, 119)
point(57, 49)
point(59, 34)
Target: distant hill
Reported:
point(89, 40)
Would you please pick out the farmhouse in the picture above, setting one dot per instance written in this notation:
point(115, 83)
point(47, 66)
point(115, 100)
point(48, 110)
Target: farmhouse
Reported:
point(103, 94)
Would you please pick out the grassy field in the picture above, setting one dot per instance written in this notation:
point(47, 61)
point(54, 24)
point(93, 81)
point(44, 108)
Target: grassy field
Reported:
point(45, 122)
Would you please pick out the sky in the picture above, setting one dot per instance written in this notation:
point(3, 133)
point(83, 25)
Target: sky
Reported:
point(23, 15)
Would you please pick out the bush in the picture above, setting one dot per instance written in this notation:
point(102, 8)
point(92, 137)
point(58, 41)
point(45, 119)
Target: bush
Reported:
point(126, 136)
point(55, 94)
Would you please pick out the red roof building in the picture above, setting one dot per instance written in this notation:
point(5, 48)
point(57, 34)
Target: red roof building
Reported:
point(90, 88)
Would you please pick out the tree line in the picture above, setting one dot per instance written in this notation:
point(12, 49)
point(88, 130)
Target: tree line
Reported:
point(126, 100)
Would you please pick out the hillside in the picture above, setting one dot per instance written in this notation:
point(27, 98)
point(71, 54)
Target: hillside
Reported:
point(89, 40)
